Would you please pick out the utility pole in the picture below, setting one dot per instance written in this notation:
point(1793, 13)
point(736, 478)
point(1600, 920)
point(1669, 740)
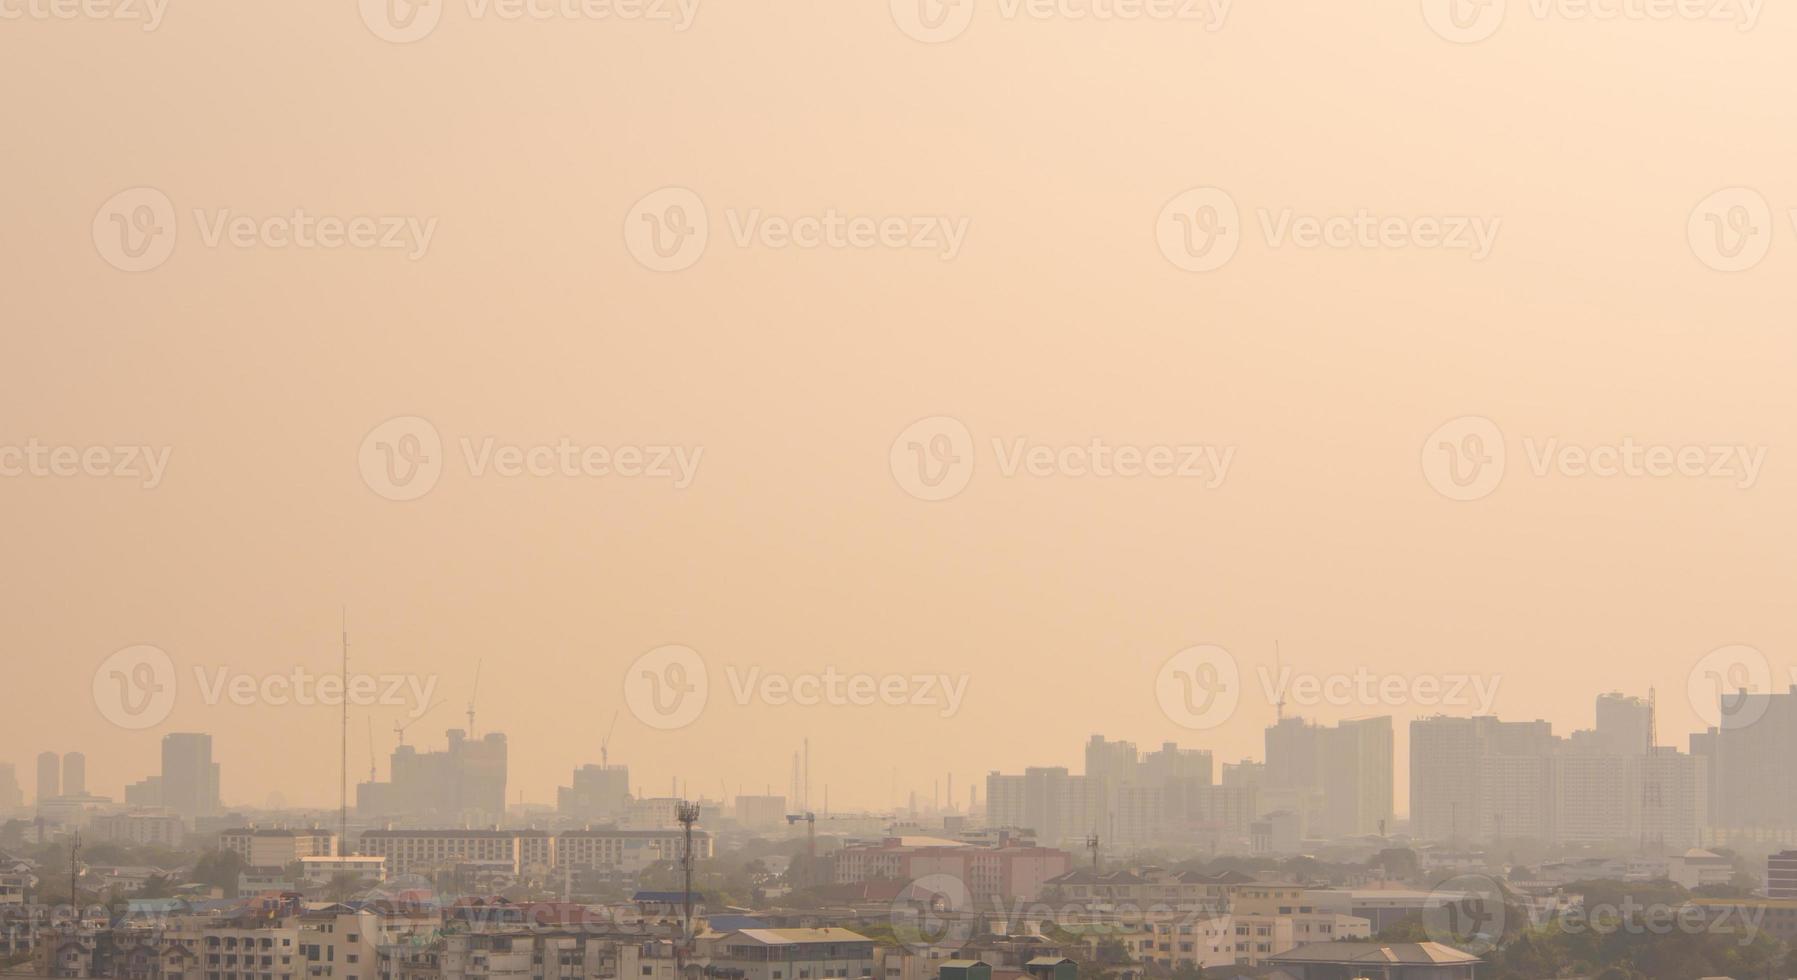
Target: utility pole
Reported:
point(1092, 845)
point(74, 876)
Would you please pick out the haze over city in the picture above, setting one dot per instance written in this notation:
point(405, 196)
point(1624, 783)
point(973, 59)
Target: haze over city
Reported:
point(820, 411)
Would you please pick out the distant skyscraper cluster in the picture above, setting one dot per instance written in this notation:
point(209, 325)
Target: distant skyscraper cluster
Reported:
point(464, 783)
point(1336, 779)
point(1482, 779)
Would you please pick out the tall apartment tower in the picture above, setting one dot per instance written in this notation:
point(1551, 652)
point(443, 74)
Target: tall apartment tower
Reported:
point(1756, 785)
point(1623, 724)
point(49, 776)
point(12, 797)
point(74, 774)
point(1339, 779)
point(189, 776)
point(1481, 779)
point(1357, 777)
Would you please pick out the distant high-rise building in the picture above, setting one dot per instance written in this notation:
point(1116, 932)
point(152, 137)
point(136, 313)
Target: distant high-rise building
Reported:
point(190, 779)
point(598, 793)
point(1338, 779)
point(761, 812)
point(1624, 723)
point(145, 792)
point(12, 797)
point(49, 776)
point(1480, 779)
point(1004, 800)
point(74, 774)
point(1755, 780)
point(1357, 760)
point(465, 782)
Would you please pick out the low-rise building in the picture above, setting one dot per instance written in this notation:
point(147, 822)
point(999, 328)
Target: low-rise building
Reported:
point(275, 847)
point(1376, 961)
point(791, 954)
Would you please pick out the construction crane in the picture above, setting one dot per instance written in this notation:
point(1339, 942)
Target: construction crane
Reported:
point(471, 696)
point(810, 830)
point(400, 730)
point(605, 743)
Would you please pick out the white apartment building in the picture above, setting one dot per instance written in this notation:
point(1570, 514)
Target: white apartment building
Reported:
point(139, 827)
point(273, 847)
point(1270, 919)
point(420, 851)
point(629, 850)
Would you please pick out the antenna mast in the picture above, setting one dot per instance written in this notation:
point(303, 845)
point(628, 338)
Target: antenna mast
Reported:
point(1278, 706)
point(471, 696)
point(343, 741)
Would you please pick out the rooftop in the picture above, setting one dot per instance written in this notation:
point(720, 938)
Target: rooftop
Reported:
point(1403, 953)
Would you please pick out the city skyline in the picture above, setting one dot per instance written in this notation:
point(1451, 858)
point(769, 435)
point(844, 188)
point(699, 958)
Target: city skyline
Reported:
point(931, 791)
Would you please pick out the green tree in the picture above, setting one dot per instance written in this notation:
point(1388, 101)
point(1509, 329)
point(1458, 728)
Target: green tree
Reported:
point(220, 870)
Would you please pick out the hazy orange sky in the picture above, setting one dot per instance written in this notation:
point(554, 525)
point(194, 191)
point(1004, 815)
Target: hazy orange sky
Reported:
point(1055, 144)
